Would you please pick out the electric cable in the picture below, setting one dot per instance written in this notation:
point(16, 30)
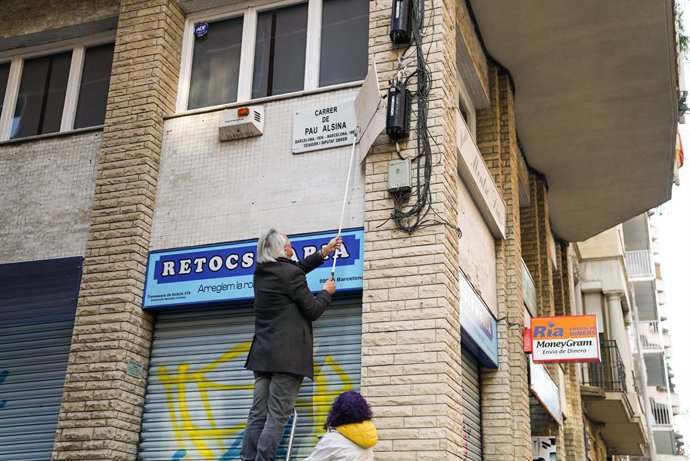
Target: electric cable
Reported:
point(415, 216)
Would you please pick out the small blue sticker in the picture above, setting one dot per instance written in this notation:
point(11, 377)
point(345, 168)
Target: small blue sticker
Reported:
point(200, 29)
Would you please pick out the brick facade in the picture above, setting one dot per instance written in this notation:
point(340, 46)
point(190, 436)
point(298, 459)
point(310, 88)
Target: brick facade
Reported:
point(506, 433)
point(102, 405)
point(537, 245)
point(411, 367)
point(410, 320)
point(555, 297)
point(573, 426)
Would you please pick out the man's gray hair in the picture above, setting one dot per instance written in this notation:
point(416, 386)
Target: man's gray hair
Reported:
point(271, 247)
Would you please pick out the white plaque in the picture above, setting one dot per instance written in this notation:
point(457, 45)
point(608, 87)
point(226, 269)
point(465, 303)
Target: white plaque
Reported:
point(323, 127)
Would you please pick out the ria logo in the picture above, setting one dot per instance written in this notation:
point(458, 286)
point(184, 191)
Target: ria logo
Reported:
point(548, 331)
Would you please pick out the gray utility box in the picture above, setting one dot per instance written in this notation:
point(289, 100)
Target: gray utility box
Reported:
point(399, 176)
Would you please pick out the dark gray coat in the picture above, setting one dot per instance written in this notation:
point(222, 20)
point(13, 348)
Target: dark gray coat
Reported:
point(284, 309)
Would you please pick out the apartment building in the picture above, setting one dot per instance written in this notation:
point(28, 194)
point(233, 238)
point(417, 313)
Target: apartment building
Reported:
point(130, 208)
point(654, 344)
point(620, 282)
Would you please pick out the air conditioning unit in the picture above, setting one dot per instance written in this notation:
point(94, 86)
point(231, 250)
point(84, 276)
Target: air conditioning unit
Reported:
point(240, 123)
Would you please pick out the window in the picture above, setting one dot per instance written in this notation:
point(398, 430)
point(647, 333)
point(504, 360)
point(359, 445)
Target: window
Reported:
point(4, 77)
point(54, 92)
point(216, 65)
point(93, 89)
point(279, 56)
point(260, 52)
point(344, 41)
point(469, 114)
point(41, 95)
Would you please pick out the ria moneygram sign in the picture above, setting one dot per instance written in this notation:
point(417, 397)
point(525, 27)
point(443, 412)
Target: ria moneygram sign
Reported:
point(565, 339)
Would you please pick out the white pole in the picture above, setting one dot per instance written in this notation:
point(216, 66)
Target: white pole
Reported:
point(293, 428)
point(342, 212)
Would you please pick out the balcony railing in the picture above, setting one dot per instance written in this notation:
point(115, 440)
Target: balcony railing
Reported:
point(650, 336)
point(661, 413)
point(639, 264)
point(608, 374)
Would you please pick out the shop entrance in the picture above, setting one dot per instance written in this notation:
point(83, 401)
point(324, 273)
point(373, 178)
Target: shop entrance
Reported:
point(199, 393)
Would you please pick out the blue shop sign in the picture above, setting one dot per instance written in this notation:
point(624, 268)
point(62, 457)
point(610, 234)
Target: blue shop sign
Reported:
point(478, 325)
point(224, 272)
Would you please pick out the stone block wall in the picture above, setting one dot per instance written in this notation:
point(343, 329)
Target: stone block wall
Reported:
point(505, 404)
point(530, 241)
point(45, 196)
point(573, 426)
point(536, 244)
point(20, 17)
point(410, 322)
point(100, 417)
point(555, 297)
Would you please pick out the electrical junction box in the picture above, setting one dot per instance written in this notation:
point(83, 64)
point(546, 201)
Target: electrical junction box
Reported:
point(398, 113)
point(399, 176)
point(240, 123)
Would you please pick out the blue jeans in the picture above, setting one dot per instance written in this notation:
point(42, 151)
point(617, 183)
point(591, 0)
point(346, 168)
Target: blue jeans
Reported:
point(274, 399)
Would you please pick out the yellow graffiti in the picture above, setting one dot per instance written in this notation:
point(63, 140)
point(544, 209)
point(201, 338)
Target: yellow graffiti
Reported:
point(323, 396)
point(184, 428)
point(208, 437)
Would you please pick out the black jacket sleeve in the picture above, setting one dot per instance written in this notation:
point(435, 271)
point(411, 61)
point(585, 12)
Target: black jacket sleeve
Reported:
point(311, 306)
point(310, 263)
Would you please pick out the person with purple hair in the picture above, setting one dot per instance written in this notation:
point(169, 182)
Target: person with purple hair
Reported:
point(350, 434)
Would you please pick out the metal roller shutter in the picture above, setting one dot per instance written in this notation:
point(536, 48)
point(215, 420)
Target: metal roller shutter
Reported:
point(199, 393)
point(471, 406)
point(37, 306)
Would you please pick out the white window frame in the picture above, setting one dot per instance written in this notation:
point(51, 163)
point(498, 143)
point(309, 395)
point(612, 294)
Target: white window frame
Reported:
point(69, 109)
point(250, 12)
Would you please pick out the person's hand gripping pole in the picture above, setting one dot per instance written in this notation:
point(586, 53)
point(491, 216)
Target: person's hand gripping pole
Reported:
point(332, 246)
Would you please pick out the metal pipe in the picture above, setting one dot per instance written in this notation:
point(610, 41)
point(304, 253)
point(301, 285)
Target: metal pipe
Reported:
point(293, 429)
